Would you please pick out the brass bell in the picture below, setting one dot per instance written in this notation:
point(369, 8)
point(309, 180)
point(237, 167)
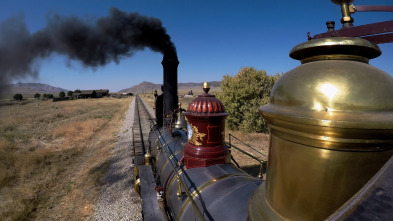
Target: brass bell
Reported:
point(180, 119)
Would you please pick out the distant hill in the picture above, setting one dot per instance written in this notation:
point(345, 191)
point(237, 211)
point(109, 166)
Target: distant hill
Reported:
point(142, 87)
point(213, 84)
point(148, 86)
point(29, 89)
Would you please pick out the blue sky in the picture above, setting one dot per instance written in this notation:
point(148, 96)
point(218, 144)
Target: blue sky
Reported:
point(213, 38)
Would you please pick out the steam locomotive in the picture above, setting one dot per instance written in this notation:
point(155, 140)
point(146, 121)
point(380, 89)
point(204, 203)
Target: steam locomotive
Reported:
point(331, 140)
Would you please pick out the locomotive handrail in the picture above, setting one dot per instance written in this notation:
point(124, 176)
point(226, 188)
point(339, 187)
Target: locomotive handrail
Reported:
point(262, 162)
point(179, 179)
point(230, 135)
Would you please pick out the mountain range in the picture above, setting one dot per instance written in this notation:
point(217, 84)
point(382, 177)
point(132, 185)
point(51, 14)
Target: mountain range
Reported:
point(148, 86)
point(29, 89)
point(38, 87)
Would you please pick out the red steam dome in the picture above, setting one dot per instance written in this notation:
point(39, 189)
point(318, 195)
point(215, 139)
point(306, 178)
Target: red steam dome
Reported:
point(206, 104)
point(206, 131)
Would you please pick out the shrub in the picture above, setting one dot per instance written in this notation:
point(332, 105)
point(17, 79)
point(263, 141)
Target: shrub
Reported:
point(37, 95)
point(18, 97)
point(242, 95)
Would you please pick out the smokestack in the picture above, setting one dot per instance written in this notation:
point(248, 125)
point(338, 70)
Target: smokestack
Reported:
point(169, 64)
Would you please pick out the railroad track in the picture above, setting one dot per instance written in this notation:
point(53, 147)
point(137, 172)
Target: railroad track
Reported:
point(143, 122)
point(141, 128)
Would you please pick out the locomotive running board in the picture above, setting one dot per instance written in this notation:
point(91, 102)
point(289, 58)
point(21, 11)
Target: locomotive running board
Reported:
point(150, 207)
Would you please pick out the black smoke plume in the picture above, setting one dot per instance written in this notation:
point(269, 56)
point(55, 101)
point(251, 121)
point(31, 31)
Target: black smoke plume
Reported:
point(95, 43)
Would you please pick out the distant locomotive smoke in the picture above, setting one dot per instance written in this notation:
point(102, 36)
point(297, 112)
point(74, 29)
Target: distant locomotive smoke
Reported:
point(93, 43)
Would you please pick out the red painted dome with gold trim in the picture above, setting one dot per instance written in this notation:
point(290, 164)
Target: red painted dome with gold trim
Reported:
point(206, 131)
point(206, 104)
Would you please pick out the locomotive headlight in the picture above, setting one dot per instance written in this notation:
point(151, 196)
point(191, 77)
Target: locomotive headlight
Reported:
point(189, 131)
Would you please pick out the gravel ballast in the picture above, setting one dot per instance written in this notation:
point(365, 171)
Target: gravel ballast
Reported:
point(118, 200)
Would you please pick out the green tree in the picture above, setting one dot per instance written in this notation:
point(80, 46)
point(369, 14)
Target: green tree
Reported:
point(18, 97)
point(242, 95)
point(37, 95)
point(61, 94)
point(49, 96)
point(70, 93)
point(77, 91)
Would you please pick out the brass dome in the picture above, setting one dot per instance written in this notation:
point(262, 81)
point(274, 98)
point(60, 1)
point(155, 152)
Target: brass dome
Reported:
point(334, 87)
point(331, 129)
point(336, 46)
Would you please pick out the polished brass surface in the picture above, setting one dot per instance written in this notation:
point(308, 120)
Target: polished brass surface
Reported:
point(345, 10)
point(137, 186)
point(352, 9)
point(137, 181)
point(206, 84)
point(172, 182)
point(310, 183)
point(334, 46)
point(181, 122)
point(179, 193)
point(335, 57)
point(334, 93)
point(331, 130)
point(259, 209)
point(148, 158)
point(196, 136)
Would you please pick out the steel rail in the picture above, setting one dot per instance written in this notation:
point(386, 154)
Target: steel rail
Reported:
point(140, 125)
point(152, 120)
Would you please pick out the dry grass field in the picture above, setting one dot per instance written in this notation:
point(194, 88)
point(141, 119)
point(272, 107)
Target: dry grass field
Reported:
point(53, 156)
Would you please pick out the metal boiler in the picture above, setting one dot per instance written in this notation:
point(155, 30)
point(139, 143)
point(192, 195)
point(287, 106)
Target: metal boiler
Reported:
point(194, 169)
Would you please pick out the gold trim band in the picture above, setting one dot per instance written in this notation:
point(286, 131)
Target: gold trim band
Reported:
point(170, 158)
point(172, 182)
point(335, 57)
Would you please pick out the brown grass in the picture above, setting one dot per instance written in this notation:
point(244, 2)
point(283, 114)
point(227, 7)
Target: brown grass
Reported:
point(53, 156)
point(258, 141)
point(148, 98)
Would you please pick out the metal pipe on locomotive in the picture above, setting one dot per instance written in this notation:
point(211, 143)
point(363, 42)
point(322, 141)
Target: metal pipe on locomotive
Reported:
point(331, 140)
